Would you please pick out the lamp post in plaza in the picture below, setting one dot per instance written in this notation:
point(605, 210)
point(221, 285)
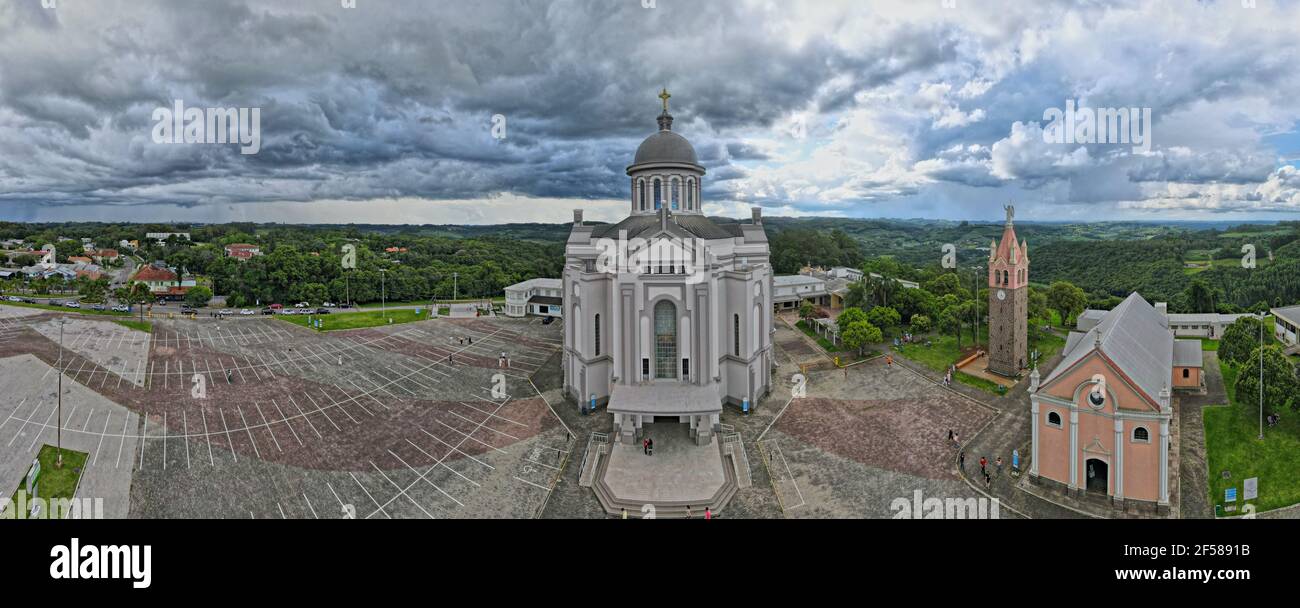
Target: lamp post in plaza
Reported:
point(58, 442)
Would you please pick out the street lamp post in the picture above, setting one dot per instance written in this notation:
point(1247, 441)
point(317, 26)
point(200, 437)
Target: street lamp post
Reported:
point(455, 293)
point(58, 442)
point(383, 294)
point(1261, 376)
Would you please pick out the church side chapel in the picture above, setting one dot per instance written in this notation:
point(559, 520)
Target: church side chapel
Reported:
point(668, 318)
point(1102, 419)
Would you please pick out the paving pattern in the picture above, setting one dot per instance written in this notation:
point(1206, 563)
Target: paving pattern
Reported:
point(261, 418)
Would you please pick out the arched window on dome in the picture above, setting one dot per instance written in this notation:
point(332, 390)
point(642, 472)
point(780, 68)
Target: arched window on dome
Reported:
point(659, 194)
point(690, 194)
point(641, 189)
point(676, 194)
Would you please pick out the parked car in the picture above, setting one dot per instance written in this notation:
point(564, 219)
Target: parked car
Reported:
point(15, 299)
point(276, 306)
point(327, 305)
point(245, 312)
point(548, 320)
point(322, 311)
point(301, 305)
point(73, 305)
point(344, 305)
point(268, 311)
point(99, 307)
point(187, 310)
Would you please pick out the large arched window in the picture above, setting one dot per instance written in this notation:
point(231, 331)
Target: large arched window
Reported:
point(596, 331)
point(665, 339)
point(641, 203)
point(676, 194)
point(690, 194)
point(659, 194)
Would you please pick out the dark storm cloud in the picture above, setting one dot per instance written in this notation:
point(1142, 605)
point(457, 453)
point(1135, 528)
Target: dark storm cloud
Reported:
point(393, 98)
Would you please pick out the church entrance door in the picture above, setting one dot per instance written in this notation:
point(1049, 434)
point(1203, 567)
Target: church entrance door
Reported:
point(1098, 475)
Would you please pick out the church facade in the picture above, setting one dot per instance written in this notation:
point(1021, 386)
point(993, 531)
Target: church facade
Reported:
point(1008, 302)
point(668, 313)
point(1104, 417)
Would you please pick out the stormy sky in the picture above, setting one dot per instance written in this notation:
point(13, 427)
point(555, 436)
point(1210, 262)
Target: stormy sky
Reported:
point(383, 112)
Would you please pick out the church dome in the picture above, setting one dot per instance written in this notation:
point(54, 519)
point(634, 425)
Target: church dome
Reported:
point(665, 147)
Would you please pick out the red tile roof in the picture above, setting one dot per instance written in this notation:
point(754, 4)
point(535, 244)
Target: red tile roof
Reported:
point(153, 273)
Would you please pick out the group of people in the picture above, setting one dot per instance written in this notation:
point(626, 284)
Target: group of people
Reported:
point(947, 375)
point(986, 472)
point(648, 446)
point(1274, 419)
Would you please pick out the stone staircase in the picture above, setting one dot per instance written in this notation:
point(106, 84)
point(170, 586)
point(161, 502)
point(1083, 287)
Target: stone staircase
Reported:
point(733, 452)
point(597, 446)
point(669, 509)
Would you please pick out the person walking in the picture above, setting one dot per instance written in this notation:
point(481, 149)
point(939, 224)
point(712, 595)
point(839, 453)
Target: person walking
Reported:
point(624, 512)
point(708, 513)
point(984, 463)
point(949, 434)
point(998, 463)
point(645, 446)
point(889, 360)
point(688, 512)
point(651, 445)
point(961, 461)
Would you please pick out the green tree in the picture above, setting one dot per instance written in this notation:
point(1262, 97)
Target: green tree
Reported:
point(1200, 296)
point(920, 324)
point(1241, 339)
point(1281, 387)
point(198, 296)
point(138, 295)
point(859, 334)
point(1067, 300)
point(849, 317)
point(884, 317)
point(950, 322)
point(807, 310)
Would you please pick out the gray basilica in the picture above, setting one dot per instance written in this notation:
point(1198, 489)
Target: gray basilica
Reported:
point(668, 314)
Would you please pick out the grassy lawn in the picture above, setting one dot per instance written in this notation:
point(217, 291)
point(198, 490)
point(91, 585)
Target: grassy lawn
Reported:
point(822, 342)
point(1209, 344)
point(1232, 444)
point(85, 310)
point(144, 326)
point(52, 482)
point(942, 351)
point(356, 320)
point(496, 300)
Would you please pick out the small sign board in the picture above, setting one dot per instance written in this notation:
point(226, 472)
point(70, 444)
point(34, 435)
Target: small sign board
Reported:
point(1250, 489)
point(32, 476)
point(1230, 495)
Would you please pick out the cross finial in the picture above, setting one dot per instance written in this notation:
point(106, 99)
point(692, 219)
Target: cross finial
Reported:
point(664, 96)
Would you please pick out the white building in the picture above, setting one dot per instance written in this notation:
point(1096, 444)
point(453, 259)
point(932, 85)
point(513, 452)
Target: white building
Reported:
point(542, 297)
point(669, 314)
point(1184, 325)
point(789, 291)
point(1286, 325)
point(163, 236)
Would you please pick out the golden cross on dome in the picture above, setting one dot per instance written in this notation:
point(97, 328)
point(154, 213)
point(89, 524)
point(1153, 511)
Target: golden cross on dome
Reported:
point(664, 96)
